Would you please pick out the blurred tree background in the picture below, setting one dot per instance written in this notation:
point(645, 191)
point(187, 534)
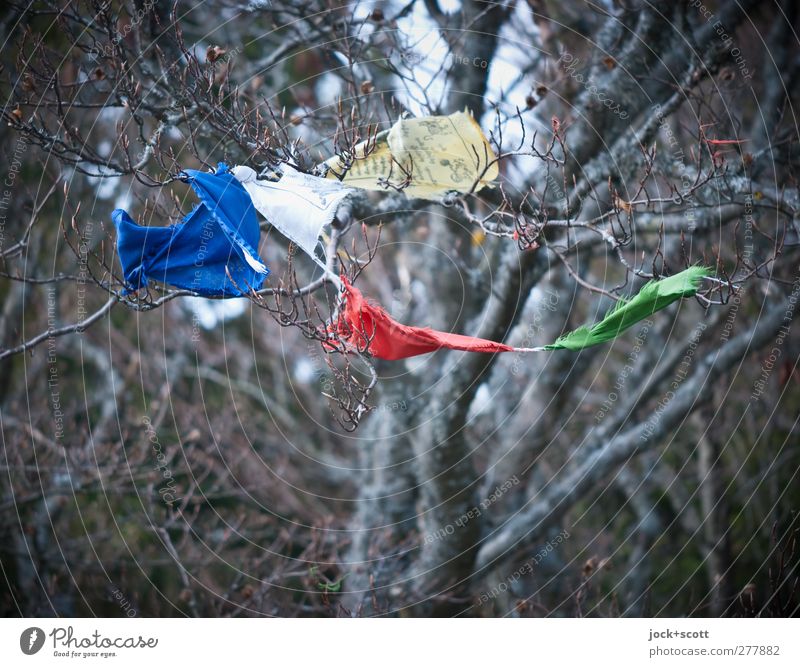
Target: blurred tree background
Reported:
point(167, 455)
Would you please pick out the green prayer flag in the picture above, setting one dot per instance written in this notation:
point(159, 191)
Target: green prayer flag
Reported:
point(655, 295)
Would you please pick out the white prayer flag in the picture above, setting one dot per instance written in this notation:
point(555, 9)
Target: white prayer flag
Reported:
point(298, 205)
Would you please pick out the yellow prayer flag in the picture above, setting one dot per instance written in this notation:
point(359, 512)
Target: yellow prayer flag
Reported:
point(430, 156)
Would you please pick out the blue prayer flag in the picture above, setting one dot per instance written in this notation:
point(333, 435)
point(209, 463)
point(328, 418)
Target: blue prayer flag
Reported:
point(220, 233)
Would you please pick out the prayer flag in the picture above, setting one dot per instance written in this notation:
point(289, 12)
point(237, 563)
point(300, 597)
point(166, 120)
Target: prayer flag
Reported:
point(425, 157)
point(218, 237)
point(655, 295)
point(369, 328)
point(298, 205)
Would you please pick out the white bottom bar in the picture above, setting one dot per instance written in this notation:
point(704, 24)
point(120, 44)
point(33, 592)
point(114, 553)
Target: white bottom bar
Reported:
point(396, 642)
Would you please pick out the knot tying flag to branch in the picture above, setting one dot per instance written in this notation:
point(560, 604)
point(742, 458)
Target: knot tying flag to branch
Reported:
point(219, 237)
point(369, 328)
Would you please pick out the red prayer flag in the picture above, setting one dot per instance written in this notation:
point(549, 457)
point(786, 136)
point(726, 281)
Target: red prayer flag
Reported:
point(370, 329)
